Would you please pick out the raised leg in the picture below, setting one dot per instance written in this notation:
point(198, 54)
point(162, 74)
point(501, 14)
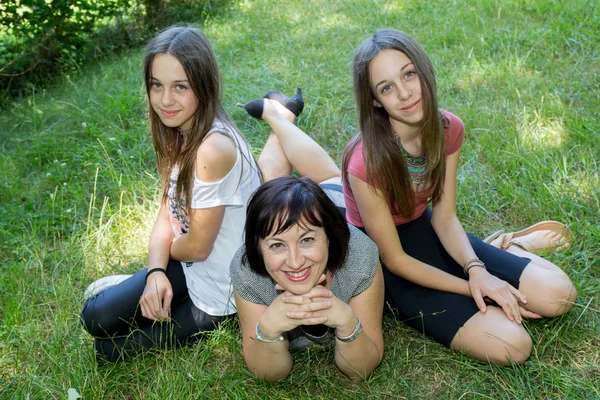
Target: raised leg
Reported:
point(289, 147)
point(273, 161)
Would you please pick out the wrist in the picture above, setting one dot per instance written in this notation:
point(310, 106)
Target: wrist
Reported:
point(157, 270)
point(261, 336)
point(267, 330)
point(348, 326)
point(356, 331)
point(476, 270)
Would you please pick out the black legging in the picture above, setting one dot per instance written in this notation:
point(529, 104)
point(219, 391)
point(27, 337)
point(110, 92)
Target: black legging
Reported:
point(114, 317)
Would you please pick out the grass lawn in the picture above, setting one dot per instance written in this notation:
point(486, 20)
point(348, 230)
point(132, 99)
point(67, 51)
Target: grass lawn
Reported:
point(79, 190)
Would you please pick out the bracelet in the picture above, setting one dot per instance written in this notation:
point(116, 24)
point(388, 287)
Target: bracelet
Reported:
point(357, 330)
point(469, 261)
point(155, 270)
point(261, 338)
point(474, 265)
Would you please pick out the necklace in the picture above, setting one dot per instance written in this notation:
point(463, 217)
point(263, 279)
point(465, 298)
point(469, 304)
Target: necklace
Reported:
point(417, 165)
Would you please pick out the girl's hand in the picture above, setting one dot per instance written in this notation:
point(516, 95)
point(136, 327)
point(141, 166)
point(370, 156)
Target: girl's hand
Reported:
point(156, 299)
point(482, 283)
point(529, 314)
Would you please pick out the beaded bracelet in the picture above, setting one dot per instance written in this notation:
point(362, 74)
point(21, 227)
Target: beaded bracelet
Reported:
point(155, 270)
point(357, 330)
point(261, 338)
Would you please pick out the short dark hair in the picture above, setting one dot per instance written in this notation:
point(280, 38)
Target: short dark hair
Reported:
point(283, 202)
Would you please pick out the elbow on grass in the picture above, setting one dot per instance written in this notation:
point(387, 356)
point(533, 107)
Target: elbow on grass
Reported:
point(270, 376)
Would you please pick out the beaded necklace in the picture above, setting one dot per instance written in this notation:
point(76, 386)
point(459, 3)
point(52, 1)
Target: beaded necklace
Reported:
point(417, 165)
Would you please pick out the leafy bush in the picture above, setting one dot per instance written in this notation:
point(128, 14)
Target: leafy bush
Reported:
point(40, 39)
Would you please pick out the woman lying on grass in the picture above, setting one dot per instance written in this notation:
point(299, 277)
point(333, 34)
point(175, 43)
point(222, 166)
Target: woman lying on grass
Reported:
point(208, 175)
point(465, 293)
point(305, 276)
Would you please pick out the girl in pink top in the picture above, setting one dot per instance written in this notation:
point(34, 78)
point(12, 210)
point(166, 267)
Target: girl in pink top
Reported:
point(463, 292)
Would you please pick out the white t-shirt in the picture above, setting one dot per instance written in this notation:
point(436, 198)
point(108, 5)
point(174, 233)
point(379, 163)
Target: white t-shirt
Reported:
point(208, 281)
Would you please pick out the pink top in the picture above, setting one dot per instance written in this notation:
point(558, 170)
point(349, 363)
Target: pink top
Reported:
point(454, 136)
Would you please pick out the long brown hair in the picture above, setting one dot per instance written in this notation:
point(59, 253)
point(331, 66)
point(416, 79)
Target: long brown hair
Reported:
point(385, 164)
point(192, 49)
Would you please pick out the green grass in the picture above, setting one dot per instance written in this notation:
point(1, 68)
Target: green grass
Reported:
point(78, 193)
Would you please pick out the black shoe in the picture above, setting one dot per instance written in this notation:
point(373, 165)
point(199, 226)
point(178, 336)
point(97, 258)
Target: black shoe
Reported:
point(294, 104)
point(254, 107)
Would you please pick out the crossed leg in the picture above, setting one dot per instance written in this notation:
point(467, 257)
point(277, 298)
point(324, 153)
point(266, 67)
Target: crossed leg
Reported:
point(493, 337)
point(549, 290)
point(289, 148)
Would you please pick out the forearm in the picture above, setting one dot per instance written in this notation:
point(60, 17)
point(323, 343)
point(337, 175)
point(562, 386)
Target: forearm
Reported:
point(160, 241)
point(357, 359)
point(454, 238)
point(269, 361)
point(426, 275)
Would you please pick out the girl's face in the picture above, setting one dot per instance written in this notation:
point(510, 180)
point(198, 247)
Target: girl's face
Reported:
point(296, 258)
point(396, 86)
point(171, 96)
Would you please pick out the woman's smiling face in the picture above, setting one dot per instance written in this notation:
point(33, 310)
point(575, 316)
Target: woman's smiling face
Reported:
point(296, 258)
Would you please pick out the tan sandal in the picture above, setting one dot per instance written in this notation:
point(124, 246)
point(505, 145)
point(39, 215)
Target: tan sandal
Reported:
point(518, 238)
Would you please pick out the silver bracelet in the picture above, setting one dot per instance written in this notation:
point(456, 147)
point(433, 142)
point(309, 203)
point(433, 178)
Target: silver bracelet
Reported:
point(357, 330)
point(261, 338)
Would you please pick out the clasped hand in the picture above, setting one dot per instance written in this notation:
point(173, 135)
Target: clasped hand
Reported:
point(318, 306)
point(483, 284)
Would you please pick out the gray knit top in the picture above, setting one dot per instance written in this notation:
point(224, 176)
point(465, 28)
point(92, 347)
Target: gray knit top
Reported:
point(351, 279)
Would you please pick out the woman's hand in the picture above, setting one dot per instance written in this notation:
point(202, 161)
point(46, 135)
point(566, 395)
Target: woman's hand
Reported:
point(289, 311)
point(335, 313)
point(483, 284)
point(156, 298)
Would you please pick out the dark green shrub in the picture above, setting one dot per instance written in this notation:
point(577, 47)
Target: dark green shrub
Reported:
point(40, 39)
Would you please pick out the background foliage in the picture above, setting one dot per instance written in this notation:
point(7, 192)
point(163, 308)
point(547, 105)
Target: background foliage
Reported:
point(41, 39)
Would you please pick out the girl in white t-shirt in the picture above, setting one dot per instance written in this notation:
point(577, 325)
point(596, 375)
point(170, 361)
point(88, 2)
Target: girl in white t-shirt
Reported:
point(208, 173)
